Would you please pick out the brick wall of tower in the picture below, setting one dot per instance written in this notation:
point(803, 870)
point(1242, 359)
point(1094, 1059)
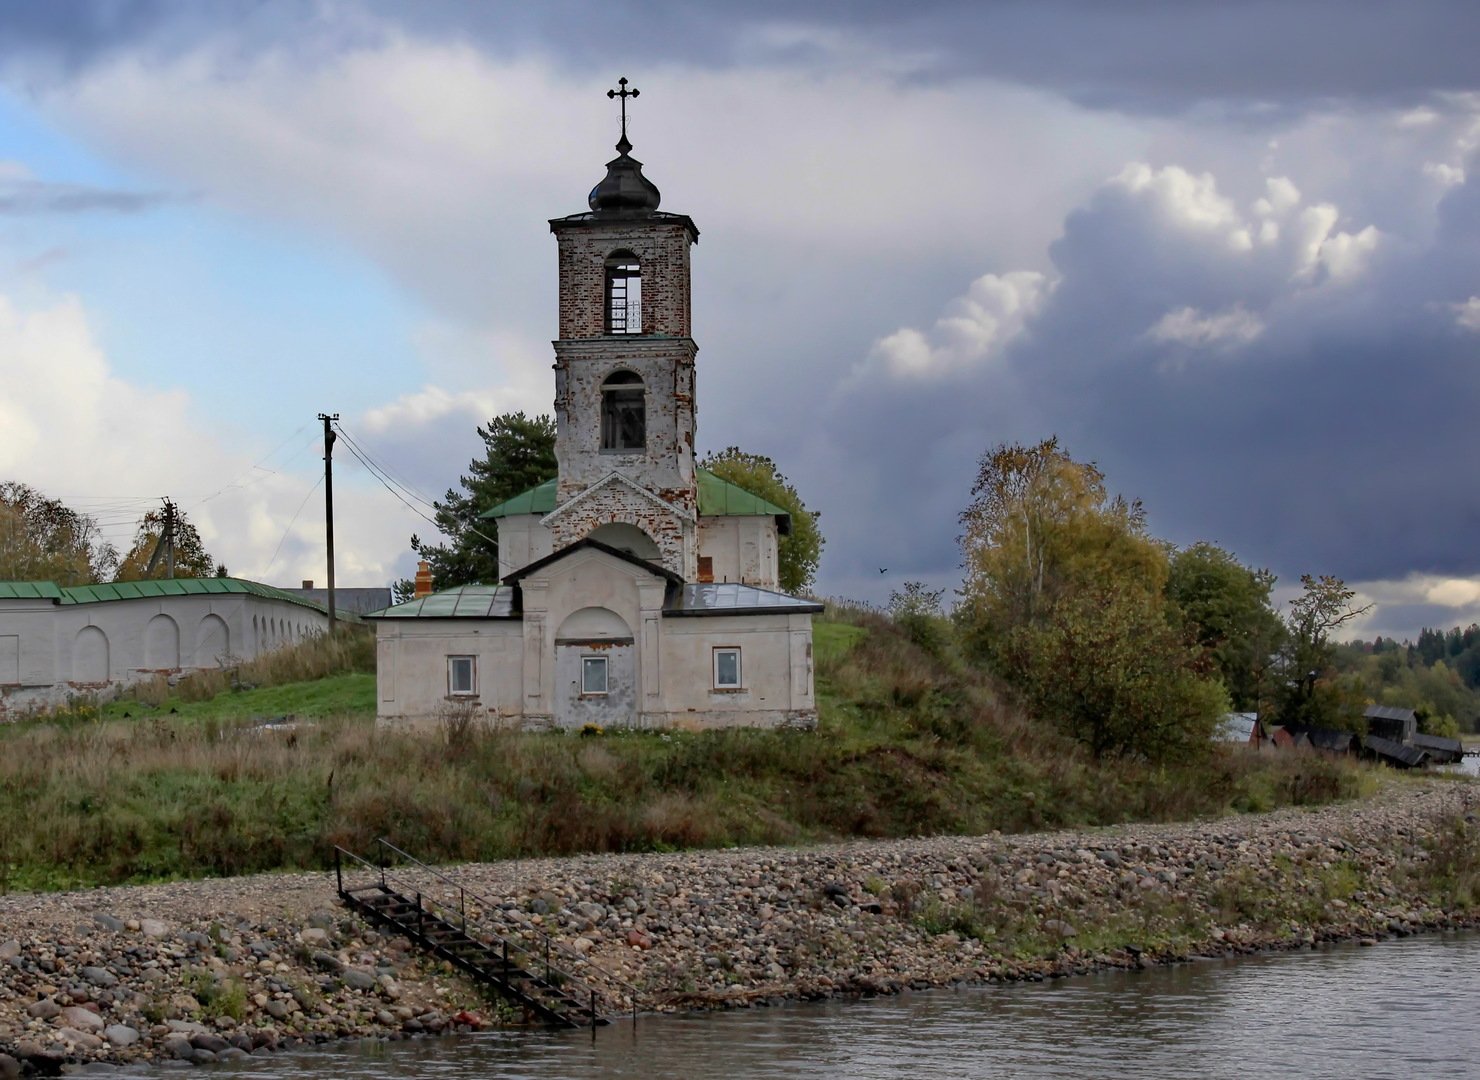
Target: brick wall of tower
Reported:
point(610, 505)
point(665, 465)
point(661, 247)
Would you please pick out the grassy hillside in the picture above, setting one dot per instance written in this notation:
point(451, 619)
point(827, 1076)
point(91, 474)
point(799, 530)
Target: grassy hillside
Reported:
point(189, 783)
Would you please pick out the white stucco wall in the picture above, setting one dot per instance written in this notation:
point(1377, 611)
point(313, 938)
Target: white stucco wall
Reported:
point(62, 649)
point(743, 548)
point(775, 672)
point(521, 540)
point(411, 668)
point(594, 604)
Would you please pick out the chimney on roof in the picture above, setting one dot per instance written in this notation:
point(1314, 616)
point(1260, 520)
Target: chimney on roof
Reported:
point(308, 583)
point(423, 579)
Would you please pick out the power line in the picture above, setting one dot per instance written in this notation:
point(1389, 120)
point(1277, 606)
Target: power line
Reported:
point(387, 473)
point(291, 522)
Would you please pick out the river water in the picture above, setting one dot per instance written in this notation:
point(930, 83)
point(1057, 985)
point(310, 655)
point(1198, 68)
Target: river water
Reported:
point(1404, 1008)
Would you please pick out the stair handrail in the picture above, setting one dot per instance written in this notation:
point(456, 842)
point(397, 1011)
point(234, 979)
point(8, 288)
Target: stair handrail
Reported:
point(464, 894)
point(550, 943)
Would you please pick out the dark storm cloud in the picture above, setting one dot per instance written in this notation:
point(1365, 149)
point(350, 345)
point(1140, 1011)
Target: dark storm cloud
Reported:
point(24, 198)
point(1329, 443)
point(1137, 55)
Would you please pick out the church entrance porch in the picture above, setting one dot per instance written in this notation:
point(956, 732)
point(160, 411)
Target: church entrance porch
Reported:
point(595, 671)
point(596, 683)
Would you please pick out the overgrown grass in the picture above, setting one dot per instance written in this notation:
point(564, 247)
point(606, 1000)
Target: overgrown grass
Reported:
point(910, 743)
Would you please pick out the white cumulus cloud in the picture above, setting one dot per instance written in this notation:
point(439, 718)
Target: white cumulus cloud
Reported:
point(975, 327)
point(1191, 327)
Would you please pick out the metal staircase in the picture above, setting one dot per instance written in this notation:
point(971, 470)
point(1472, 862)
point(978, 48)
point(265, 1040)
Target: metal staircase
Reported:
point(519, 971)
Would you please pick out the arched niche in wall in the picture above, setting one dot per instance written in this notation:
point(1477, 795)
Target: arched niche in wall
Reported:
point(629, 538)
point(212, 641)
point(162, 644)
point(90, 656)
point(593, 624)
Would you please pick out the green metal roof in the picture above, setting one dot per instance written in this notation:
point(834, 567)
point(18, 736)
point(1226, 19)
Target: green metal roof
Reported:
point(462, 602)
point(717, 498)
point(537, 500)
point(30, 590)
point(156, 587)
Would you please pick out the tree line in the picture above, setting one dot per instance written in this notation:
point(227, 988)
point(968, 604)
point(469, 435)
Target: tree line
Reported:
point(42, 539)
point(1131, 644)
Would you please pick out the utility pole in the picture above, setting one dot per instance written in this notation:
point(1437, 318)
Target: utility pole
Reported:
point(169, 539)
point(329, 438)
point(165, 545)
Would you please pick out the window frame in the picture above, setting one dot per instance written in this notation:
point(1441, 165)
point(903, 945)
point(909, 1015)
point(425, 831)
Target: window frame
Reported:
point(715, 653)
point(588, 663)
point(454, 659)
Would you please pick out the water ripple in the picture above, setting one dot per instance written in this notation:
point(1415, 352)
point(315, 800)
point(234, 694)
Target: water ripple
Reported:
point(1398, 1010)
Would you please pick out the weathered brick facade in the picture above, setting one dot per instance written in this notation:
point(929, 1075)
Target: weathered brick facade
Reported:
point(662, 356)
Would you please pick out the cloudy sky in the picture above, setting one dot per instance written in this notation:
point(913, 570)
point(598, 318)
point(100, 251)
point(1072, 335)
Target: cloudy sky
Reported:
point(1229, 251)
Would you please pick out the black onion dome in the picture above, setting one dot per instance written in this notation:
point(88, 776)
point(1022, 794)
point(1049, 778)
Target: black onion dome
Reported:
point(624, 190)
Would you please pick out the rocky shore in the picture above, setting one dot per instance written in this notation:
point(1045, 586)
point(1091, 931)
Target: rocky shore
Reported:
point(207, 970)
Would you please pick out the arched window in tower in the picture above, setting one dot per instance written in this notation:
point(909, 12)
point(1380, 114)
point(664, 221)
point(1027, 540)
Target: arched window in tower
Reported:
point(623, 293)
point(623, 412)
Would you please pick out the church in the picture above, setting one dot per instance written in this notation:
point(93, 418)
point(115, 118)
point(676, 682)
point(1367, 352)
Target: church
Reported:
point(635, 589)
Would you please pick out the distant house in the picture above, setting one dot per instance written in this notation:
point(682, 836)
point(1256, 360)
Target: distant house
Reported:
point(1394, 754)
point(1391, 723)
point(1324, 740)
point(1238, 727)
point(1441, 750)
point(354, 601)
point(55, 642)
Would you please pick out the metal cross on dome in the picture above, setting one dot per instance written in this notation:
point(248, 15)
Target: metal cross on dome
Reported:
point(624, 94)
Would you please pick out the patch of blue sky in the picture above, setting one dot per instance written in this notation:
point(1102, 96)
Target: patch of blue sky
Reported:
point(251, 320)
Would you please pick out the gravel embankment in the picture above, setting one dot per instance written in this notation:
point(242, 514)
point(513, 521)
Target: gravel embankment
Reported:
point(216, 969)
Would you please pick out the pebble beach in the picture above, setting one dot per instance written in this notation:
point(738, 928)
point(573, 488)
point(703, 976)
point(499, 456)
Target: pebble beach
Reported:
point(200, 971)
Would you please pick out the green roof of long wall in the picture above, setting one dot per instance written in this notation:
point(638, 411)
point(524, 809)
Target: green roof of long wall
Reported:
point(136, 590)
point(30, 590)
point(717, 498)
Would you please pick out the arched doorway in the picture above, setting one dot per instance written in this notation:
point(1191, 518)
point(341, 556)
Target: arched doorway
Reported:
point(595, 670)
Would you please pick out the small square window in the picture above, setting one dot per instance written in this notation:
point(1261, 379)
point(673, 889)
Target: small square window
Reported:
point(593, 674)
point(727, 669)
point(462, 676)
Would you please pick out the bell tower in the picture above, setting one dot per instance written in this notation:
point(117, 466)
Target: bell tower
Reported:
point(624, 363)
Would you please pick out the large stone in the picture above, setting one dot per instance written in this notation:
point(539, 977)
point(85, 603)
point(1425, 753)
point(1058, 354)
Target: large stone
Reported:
point(206, 1041)
point(83, 1040)
point(45, 1009)
point(109, 922)
point(120, 1035)
point(326, 961)
point(10, 1068)
point(75, 1016)
point(154, 928)
point(357, 979)
point(100, 977)
point(10, 950)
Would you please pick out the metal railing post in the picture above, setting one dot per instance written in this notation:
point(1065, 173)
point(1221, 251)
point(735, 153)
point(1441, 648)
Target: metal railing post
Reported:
point(462, 904)
point(338, 873)
point(420, 932)
point(593, 1013)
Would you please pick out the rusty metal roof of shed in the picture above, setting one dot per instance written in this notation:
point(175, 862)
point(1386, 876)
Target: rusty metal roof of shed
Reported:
point(462, 602)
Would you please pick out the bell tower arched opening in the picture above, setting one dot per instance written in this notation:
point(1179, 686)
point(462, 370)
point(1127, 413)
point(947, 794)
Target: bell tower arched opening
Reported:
point(623, 293)
point(623, 412)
